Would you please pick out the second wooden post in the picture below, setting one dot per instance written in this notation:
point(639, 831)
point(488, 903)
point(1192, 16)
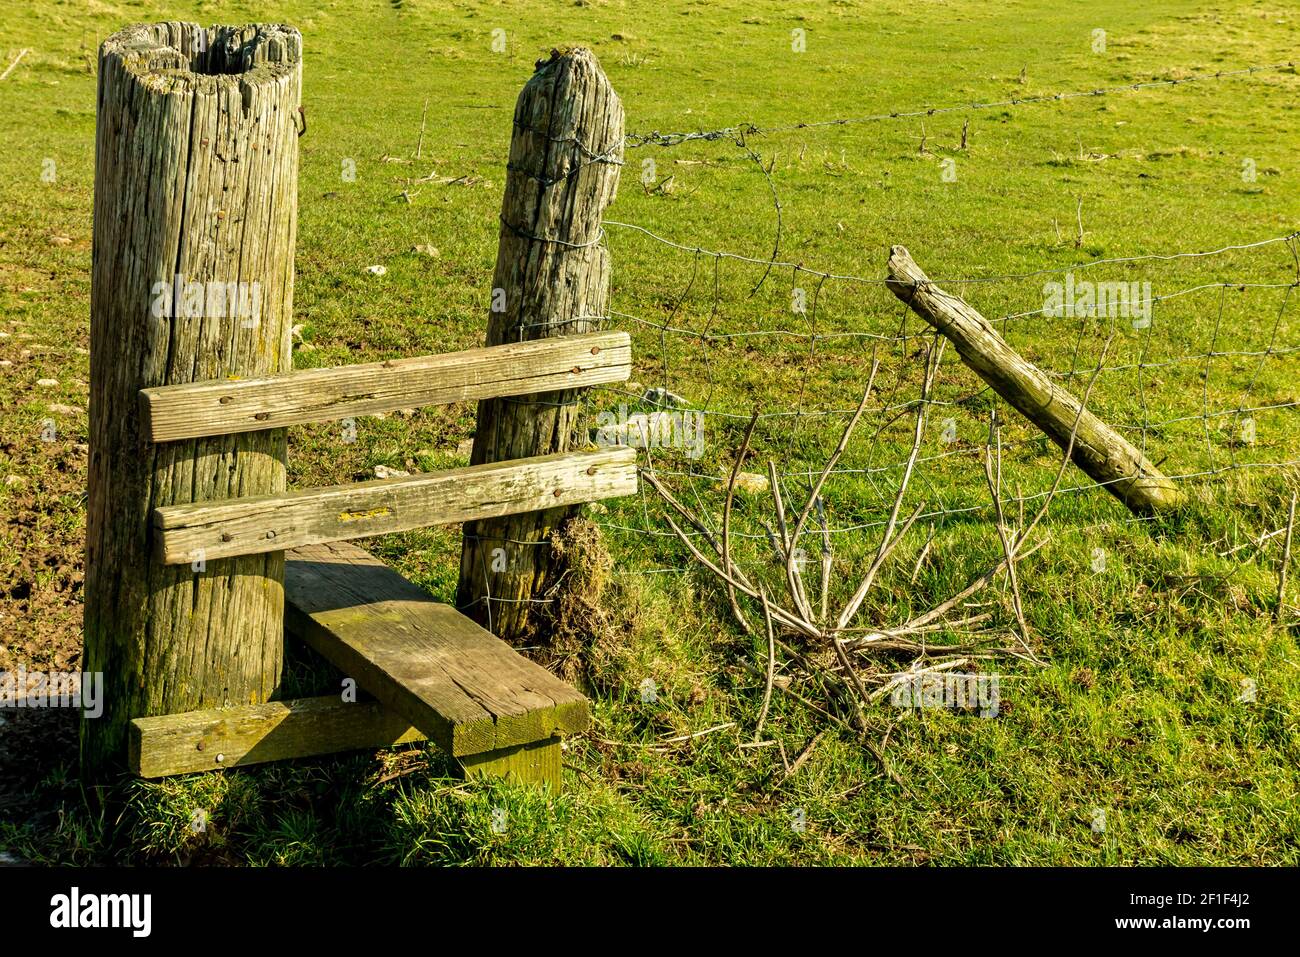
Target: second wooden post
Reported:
point(552, 278)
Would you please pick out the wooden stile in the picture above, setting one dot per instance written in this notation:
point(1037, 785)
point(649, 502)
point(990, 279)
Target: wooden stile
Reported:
point(321, 395)
point(194, 653)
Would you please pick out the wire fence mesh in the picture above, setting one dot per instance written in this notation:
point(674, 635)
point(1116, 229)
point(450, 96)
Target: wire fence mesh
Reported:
point(1190, 352)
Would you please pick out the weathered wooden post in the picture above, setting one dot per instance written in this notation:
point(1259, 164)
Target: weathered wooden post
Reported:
point(196, 174)
point(1101, 452)
point(552, 278)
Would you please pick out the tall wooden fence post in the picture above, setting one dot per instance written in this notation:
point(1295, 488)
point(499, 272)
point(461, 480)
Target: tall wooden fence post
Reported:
point(196, 172)
point(552, 278)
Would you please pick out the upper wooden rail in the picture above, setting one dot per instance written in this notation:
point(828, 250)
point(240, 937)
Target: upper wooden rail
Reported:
point(227, 406)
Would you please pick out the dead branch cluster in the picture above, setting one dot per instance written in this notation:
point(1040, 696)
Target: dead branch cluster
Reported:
point(820, 649)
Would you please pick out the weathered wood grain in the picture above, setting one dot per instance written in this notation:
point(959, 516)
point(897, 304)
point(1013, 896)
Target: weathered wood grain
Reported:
point(553, 272)
point(253, 734)
point(336, 513)
point(321, 395)
point(468, 691)
point(1101, 452)
point(196, 171)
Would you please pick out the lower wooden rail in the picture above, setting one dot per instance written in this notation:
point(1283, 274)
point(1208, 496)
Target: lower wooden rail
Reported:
point(253, 734)
point(272, 523)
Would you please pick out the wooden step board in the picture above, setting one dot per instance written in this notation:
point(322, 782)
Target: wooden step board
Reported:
point(464, 688)
point(433, 672)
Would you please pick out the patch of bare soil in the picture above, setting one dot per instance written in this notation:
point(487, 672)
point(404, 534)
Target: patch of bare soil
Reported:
point(43, 567)
point(42, 504)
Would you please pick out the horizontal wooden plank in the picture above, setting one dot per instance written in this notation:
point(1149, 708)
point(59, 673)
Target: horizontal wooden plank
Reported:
point(466, 689)
point(252, 734)
point(267, 523)
point(227, 406)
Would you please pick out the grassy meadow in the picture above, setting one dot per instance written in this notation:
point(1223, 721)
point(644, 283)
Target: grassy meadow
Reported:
point(1168, 701)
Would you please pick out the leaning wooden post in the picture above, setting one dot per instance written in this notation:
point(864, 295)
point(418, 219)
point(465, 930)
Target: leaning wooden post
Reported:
point(552, 278)
point(196, 172)
point(1101, 452)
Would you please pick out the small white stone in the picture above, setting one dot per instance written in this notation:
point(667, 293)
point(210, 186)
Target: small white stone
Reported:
point(47, 383)
point(752, 482)
point(377, 270)
point(661, 396)
point(383, 472)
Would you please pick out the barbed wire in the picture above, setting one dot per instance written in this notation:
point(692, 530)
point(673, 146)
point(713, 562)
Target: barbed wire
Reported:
point(964, 510)
point(799, 267)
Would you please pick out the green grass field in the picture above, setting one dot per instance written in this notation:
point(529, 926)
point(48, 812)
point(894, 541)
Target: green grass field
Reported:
point(1170, 696)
